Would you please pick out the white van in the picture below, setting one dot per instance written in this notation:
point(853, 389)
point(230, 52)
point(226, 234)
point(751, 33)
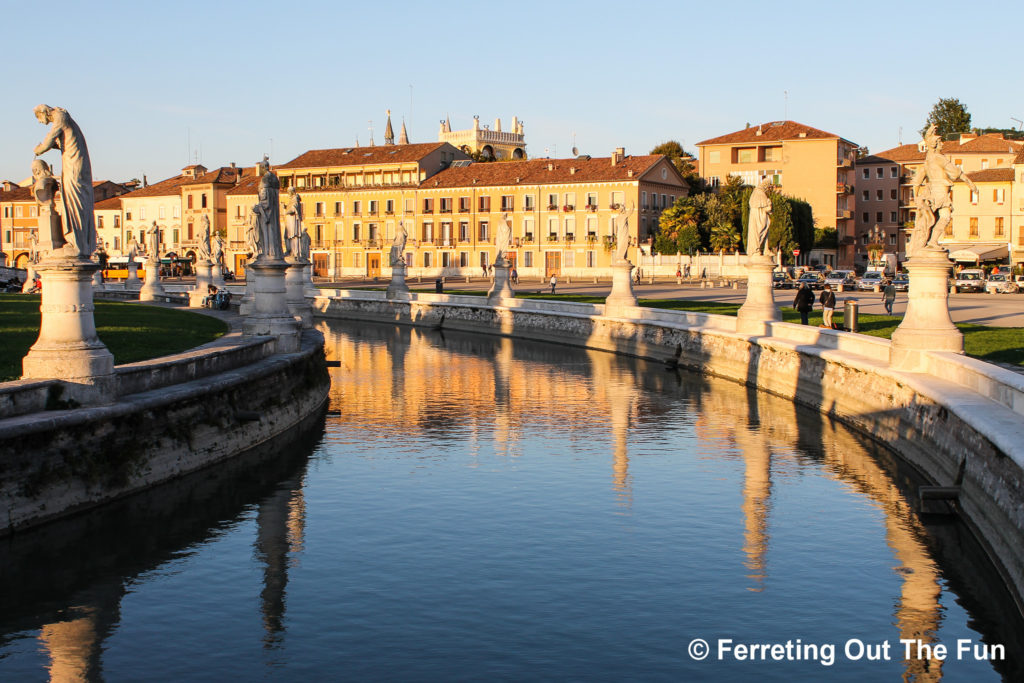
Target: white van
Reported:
point(970, 280)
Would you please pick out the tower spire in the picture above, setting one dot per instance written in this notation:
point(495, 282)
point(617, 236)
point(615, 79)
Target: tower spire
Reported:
point(389, 133)
point(403, 137)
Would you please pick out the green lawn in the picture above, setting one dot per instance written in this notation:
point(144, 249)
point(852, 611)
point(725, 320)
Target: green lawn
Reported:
point(131, 331)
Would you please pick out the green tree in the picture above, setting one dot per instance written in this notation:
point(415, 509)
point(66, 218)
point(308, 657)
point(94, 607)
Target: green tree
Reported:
point(950, 116)
point(826, 238)
point(724, 237)
point(677, 228)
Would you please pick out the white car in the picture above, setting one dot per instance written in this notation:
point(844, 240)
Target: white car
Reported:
point(840, 277)
point(871, 280)
point(1001, 283)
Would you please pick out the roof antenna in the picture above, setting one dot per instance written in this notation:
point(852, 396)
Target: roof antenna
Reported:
point(1020, 124)
point(575, 152)
point(785, 109)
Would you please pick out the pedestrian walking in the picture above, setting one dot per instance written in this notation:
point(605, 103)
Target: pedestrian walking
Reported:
point(804, 301)
point(514, 275)
point(828, 306)
point(888, 296)
point(554, 281)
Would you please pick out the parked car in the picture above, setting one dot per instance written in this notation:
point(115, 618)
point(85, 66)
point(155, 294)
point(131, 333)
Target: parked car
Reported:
point(901, 282)
point(814, 280)
point(871, 280)
point(840, 277)
point(781, 281)
point(1001, 283)
point(970, 280)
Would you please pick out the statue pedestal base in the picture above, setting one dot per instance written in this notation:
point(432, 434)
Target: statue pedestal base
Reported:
point(270, 316)
point(30, 277)
point(926, 325)
point(295, 292)
point(152, 288)
point(217, 276)
point(759, 308)
point(398, 289)
point(500, 289)
point(97, 277)
point(245, 306)
point(203, 281)
point(68, 347)
point(133, 281)
point(621, 296)
point(307, 280)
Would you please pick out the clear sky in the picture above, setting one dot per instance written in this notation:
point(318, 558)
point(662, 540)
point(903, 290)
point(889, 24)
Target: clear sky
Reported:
point(157, 85)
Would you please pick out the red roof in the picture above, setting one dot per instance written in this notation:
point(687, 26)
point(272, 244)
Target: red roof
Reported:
point(537, 172)
point(106, 204)
point(358, 156)
point(772, 131)
point(248, 185)
point(18, 194)
point(992, 175)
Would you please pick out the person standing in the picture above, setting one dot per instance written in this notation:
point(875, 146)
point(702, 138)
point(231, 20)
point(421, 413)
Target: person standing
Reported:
point(828, 306)
point(888, 296)
point(804, 301)
point(554, 281)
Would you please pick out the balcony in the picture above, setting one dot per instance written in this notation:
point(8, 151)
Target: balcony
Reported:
point(843, 188)
point(614, 206)
point(444, 242)
point(591, 238)
point(569, 237)
point(552, 237)
point(371, 244)
point(552, 207)
point(845, 163)
point(568, 207)
point(844, 214)
point(528, 238)
point(591, 207)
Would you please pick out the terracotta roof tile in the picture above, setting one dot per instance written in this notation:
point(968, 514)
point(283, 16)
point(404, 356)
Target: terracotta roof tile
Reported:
point(358, 156)
point(248, 185)
point(171, 186)
point(1020, 157)
point(535, 172)
point(771, 131)
point(222, 175)
point(107, 204)
point(993, 143)
point(992, 175)
point(18, 194)
point(902, 154)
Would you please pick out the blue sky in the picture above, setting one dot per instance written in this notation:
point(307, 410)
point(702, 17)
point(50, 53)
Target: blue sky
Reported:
point(240, 79)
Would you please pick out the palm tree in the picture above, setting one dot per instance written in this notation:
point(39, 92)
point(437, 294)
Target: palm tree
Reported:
point(724, 237)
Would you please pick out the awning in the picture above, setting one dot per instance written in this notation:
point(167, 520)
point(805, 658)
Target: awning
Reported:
point(974, 252)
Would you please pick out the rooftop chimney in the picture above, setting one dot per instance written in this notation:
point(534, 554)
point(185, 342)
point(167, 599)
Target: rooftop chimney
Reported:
point(618, 155)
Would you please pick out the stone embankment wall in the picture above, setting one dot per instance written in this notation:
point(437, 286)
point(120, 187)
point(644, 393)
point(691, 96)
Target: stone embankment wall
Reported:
point(173, 415)
point(960, 409)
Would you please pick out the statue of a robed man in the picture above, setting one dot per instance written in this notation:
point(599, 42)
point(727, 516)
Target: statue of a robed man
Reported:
point(75, 179)
point(268, 219)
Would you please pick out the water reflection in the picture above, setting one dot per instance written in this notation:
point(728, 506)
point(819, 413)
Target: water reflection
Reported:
point(487, 507)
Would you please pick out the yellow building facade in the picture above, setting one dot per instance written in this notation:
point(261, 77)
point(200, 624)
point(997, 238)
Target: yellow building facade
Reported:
point(802, 161)
point(562, 212)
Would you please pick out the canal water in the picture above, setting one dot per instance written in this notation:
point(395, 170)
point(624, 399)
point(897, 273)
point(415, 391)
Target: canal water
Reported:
point(477, 508)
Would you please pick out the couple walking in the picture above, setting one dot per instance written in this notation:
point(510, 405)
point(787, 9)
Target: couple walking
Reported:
point(804, 302)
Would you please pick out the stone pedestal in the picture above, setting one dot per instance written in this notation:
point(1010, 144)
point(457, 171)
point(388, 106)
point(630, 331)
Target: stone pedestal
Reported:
point(759, 308)
point(133, 281)
point(398, 289)
point(926, 325)
point(295, 292)
point(152, 287)
point(68, 347)
point(307, 280)
point(217, 276)
point(245, 305)
point(269, 315)
point(203, 280)
point(500, 289)
point(30, 276)
point(621, 296)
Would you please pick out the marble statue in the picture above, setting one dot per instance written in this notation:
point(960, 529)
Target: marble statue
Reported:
point(205, 248)
point(44, 190)
point(760, 219)
point(217, 250)
point(503, 239)
point(264, 166)
point(398, 246)
point(251, 233)
point(622, 233)
point(133, 250)
point(932, 199)
point(268, 219)
point(75, 179)
point(304, 244)
point(293, 223)
point(33, 246)
point(153, 241)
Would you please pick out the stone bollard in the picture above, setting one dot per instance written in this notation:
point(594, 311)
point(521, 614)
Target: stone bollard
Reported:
point(679, 280)
point(876, 289)
point(595, 279)
point(735, 284)
point(467, 279)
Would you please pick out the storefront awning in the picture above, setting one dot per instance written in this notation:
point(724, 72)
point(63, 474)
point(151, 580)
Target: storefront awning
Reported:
point(974, 253)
